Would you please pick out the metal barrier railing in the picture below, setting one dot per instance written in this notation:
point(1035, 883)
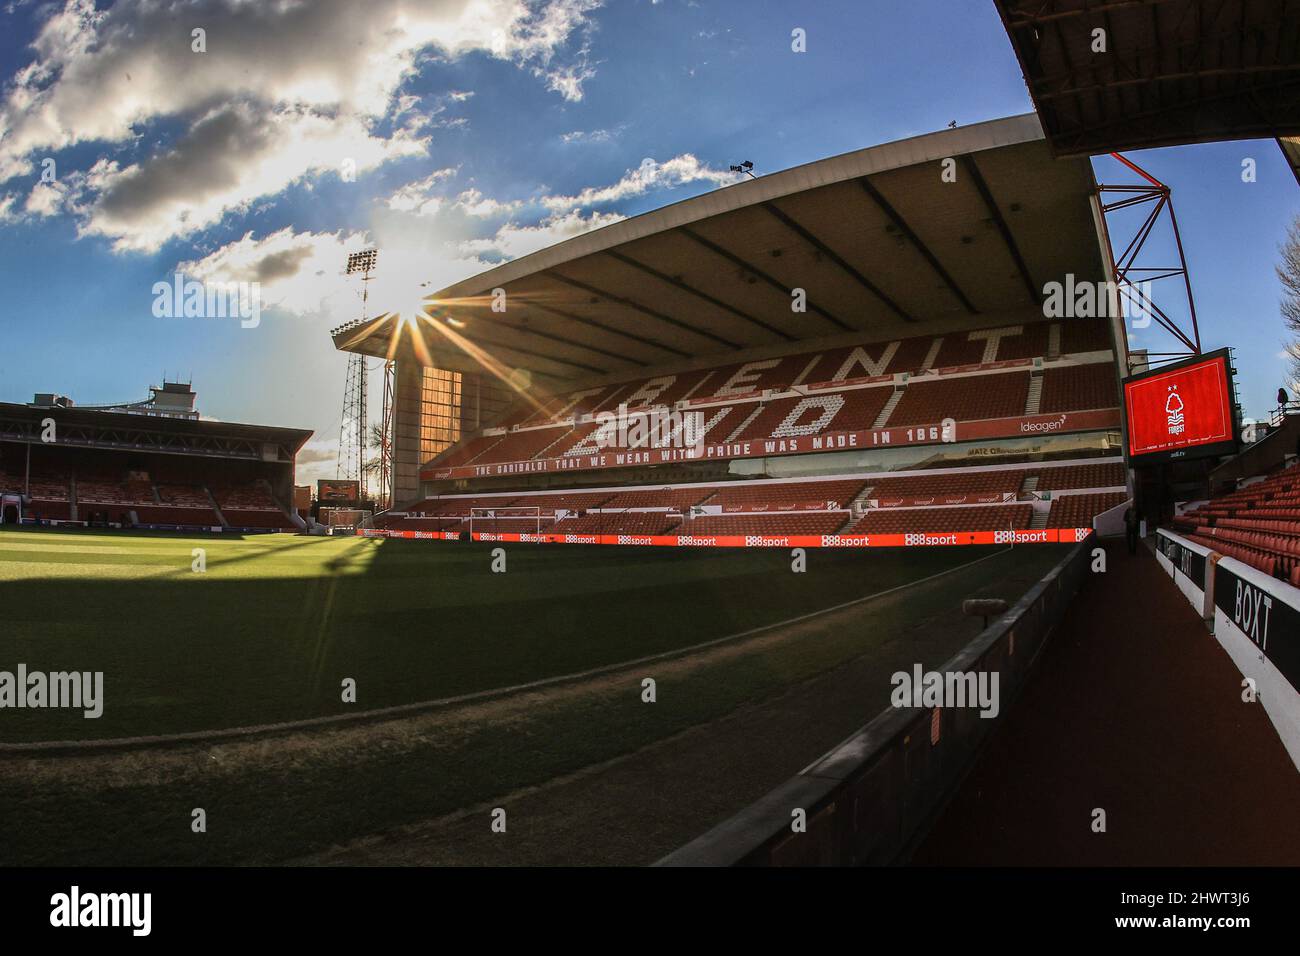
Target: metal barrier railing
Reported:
point(869, 800)
point(1279, 414)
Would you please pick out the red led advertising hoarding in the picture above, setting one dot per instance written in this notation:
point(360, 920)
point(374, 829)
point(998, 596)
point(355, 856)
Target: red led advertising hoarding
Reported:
point(1183, 410)
point(900, 540)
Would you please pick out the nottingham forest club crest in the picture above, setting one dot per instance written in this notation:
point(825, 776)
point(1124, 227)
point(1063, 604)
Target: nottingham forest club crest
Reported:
point(1174, 411)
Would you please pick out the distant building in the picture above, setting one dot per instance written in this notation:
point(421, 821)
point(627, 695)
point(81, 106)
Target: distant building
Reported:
point(172, 400)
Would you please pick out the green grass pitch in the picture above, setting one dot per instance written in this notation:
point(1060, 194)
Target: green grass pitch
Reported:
point(275, 624)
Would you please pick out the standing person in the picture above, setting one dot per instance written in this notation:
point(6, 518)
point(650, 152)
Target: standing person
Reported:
point(1131, 529)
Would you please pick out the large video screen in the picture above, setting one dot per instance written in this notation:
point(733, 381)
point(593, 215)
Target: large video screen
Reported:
point(1180, 411)
point(337, 489)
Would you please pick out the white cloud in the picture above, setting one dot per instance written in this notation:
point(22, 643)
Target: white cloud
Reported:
point(649, 175)
point(99, 72)
point(415, 115)
point(302, 273)
point(229, 158)
point(417, 197)
point(590, 136)
point(426, 241)
point(513, 241)
point(46, 199)
point(299, 272)
point(474, 203)
point(284, 92)
point(318, 458)
point(567, 80)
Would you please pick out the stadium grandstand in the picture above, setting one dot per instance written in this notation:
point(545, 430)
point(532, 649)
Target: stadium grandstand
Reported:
point(1050, 495)
point(1258, 523)
point(878, 323)
point(152, 464)
point(859, 352)
point(924, 394)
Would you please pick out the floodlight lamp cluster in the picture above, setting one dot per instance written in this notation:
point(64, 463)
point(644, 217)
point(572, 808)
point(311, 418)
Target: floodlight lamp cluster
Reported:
point(346, 326)
point(363, 261)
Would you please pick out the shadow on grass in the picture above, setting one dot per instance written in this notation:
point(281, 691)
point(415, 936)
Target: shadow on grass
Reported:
point(407, 621)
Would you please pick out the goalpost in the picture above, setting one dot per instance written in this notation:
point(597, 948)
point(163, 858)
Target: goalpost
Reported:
point(519, 512)
point(345, 520)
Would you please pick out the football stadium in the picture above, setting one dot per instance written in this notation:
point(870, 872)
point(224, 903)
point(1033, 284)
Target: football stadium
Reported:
point(782, 525)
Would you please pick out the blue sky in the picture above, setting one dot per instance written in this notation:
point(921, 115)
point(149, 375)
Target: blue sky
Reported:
point(478, 130)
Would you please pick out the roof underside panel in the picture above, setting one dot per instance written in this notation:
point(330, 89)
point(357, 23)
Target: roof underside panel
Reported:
point(545, 301)
point(648, 273)
point(1053, 232)
point(952, 225)
point(1291, 150)
point(869, 260)
point(1171, 71)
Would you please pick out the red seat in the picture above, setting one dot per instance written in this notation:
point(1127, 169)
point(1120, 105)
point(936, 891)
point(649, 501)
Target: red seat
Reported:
point(988, 388)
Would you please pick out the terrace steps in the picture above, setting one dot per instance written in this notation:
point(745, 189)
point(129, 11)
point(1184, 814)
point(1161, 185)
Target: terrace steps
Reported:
point(1035, 398)
point(758, 410)
point(883, 418)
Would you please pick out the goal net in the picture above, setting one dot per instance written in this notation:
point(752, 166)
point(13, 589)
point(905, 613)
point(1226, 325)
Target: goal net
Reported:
point(345, 520)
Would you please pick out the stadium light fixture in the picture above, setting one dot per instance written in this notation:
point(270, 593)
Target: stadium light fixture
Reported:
point(363, 261)
point(746, 167)
point(354, 422)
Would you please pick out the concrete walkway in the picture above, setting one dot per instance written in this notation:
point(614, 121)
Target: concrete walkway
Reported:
point(1137, 710)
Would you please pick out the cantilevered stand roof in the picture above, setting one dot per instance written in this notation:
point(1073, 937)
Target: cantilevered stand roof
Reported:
point(879, 239)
